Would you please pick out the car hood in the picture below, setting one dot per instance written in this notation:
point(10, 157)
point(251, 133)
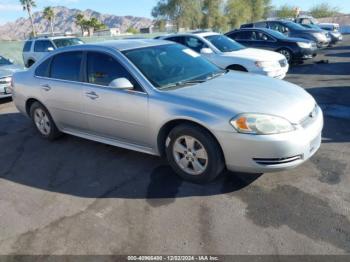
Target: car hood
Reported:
point(9, 70)
point(247, 93)
point(296, 39)
point(256, 54)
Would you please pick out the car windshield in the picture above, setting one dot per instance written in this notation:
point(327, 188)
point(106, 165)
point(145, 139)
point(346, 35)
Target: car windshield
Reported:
point(4, 61)
point(63, 42)
point(224, 44)
point(172, 66)
point(294, 26)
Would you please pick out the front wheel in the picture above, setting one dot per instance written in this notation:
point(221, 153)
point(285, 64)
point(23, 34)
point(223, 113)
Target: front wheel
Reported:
point(194, 154)
point(288, 54)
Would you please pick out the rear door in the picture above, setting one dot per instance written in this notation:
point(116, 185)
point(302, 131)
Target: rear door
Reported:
point(62, 90)
point(243, 37)
point(263, 40)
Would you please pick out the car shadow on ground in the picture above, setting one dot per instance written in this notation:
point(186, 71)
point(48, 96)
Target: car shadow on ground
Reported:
point(87, 169)
point(5, 100)
point(331, 68)
point(335, 104)
point(339, 55)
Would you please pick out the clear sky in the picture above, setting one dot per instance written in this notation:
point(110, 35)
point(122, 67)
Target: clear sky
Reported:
point(11, 10)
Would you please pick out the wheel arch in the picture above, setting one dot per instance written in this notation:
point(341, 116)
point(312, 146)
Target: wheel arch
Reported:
point(29, 104)
point(170, 125)
point(237, 66)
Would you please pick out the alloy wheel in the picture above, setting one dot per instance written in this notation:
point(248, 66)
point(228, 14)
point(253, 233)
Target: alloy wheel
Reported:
point(190, 155)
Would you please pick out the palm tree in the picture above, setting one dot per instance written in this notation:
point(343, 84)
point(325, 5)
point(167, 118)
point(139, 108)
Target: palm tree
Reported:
point(27, 6)
point(49, 14)
point(80, 21)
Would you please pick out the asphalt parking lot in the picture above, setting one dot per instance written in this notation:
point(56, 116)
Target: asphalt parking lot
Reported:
point(75, 196)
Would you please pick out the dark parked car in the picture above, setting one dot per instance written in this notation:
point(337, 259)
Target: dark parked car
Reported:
point(294, 49)
point(292, 29)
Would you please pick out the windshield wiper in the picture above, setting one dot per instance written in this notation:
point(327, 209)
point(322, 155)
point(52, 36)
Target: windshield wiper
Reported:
point(184, 83)
point(215, 75)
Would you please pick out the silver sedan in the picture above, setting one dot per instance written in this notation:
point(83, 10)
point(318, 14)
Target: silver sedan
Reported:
point(162, 98)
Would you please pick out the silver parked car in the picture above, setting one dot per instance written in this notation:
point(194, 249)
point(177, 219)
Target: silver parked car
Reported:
point(7, 69)
point(162, 98)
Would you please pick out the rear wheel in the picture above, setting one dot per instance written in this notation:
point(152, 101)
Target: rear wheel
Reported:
point(194, 154)
point(288, 54)
point(43, 121)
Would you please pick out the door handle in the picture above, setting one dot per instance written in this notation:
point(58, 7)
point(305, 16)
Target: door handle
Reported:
point(46, 87)
point(92, 95)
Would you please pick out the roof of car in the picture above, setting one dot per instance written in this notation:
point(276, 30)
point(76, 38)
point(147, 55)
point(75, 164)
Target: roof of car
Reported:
point(198, 33)
point(50, 38)
point(128, 44)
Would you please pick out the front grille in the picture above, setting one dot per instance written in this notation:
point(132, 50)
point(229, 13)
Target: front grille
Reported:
point(277, 161)
point(283, 63)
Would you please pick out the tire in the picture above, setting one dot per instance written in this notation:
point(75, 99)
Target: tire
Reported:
point(200, 163)
point(237, 68)
point(43, 122)
point(287, 53)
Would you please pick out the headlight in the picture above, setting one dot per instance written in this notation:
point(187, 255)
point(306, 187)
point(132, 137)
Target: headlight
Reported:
point(5, 80)
point(260, 124)
point(320, 37)
point(264, 64)
point(304, 45)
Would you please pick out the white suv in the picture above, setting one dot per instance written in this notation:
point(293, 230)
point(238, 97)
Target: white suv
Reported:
point(36, 48)
point(228, 54)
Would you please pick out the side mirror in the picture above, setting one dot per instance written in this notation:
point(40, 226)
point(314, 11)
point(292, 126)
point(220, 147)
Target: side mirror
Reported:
point(206, 51)
point(121, 83)
point(50, 49)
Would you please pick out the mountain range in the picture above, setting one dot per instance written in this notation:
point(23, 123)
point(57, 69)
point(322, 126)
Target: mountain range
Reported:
point(65, 22)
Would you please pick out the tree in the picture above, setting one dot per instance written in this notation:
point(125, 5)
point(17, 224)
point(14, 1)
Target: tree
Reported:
point(257, 9)
point(213, 16)
point(28, 6)
point(183, 13)
point(80, 21)
point(286, 11)
point(132, 30)
point(268, 8)
point(237, 12)
point(49, 14)
point(323, 10)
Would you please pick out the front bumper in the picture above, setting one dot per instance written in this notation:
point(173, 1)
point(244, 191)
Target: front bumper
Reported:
point(271, 153)
point(323, 44)
point(5, 91)
point(305, 53)
point(279, 73)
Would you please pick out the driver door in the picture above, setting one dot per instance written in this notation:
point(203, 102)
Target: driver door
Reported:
point(112, 113)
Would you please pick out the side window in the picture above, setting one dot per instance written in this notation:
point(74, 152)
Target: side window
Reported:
point(66, 66)
point(102, 69)
point(43, 69)
point(43, 46)
point(260, 36)
point(244, 35)
point(194, 43)
point(261, 25)
point(27, 46)
point(176, 39)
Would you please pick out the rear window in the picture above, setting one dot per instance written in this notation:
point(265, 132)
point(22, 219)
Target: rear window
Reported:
point(42, 46)
point(27, 46)
point(43, 69)
point(66, 66)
